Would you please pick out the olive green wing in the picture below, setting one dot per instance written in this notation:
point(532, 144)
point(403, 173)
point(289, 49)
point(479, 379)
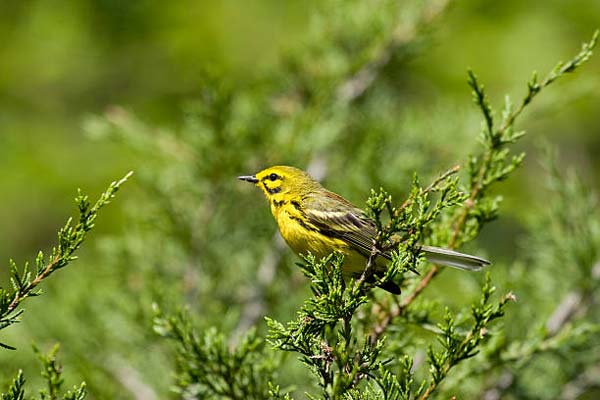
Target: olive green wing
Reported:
point(336, 217)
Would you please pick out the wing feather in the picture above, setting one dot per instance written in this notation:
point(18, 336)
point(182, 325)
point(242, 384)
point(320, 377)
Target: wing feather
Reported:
point(335, 217)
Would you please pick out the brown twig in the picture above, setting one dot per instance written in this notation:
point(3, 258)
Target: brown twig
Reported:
point(370, 263)
point(461, 219)
point(380, 328)
point(70, 239)
point(20, 295)
point(433, 185)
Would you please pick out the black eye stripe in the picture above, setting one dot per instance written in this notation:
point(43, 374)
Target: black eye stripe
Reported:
point(274, 177)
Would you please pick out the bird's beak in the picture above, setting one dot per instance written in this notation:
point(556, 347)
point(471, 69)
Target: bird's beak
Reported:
point(248, 178)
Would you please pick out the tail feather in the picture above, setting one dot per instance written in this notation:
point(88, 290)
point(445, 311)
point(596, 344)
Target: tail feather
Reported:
point(451, 258)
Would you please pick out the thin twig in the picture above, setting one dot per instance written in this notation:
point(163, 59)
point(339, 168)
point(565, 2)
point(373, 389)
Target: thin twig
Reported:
point(22, 294)
point(380, 328)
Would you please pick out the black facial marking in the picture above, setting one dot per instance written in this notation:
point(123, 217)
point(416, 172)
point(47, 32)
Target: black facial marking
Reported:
point(272, 190)
point(279, 203)
point(298, 207)
point(273, 177)
point(303, 224)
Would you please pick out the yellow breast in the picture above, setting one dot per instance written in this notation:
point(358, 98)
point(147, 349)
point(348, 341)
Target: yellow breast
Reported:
point(303, 238)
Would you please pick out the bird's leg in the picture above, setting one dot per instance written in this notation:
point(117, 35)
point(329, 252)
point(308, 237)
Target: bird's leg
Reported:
point(367, 272)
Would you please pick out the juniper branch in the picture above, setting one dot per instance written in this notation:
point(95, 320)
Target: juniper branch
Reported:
point(457, 349)
point(70, 237)
point(207, 367)
point(573, 213)
point(492, 168)
point(52, 373)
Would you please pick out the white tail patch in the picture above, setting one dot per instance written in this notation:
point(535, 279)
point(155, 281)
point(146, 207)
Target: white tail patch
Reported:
point(452, 258)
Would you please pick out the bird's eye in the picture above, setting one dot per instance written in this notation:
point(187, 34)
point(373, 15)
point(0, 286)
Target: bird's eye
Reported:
point(273, 177)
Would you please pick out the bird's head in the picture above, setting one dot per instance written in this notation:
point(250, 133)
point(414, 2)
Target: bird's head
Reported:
point(280, 182)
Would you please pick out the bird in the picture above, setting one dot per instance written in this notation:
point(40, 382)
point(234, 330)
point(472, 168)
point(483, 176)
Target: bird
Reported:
point(312, 219)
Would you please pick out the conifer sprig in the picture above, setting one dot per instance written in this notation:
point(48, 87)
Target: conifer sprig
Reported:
point(492, 165)
point(345, 351)
point(457, 347)
point(52, 373)
point(25, 281)
point(208, 368)
point(324, 333)
point(568, 238)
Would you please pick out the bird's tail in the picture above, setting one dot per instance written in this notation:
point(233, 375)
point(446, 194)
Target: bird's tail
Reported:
point(451, 258)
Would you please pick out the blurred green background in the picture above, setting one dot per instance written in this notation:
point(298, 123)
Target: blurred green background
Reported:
point(66, 61)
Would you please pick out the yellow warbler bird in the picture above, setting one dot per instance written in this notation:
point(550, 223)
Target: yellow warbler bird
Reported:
point(313, 219)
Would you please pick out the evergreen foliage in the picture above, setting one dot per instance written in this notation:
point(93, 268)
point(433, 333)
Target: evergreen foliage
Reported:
point(207, 368)
point(52, 374)
point(345, 352)
point(24, 282)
